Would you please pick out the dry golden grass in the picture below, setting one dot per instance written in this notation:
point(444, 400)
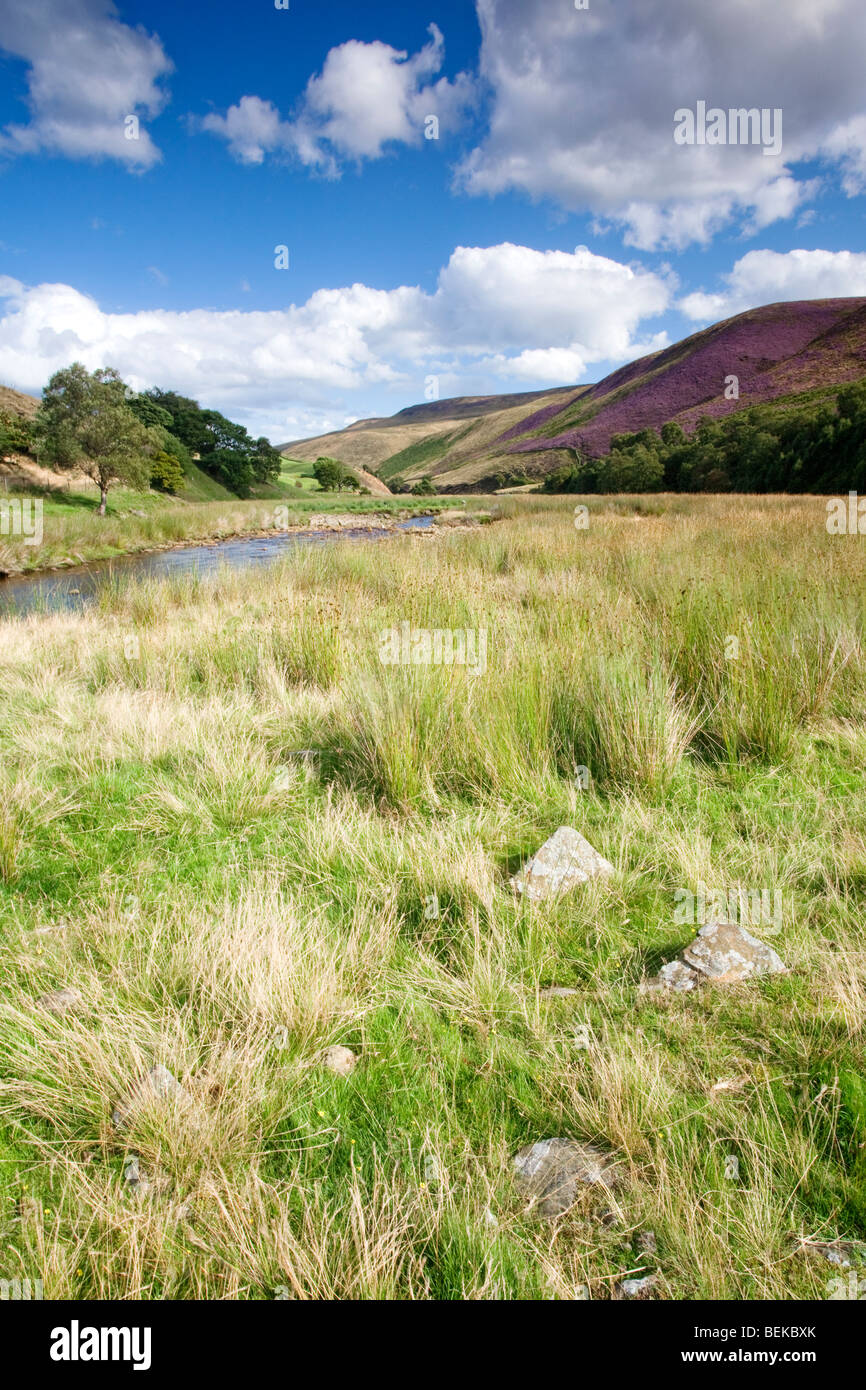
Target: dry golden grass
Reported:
point(230, 909)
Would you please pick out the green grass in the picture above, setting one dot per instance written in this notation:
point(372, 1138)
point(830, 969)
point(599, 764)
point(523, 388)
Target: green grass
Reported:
point(200, 487)
point(427, 450)
point(229, 909)
point(73, 532)
point(295, 481)
point(294, 471)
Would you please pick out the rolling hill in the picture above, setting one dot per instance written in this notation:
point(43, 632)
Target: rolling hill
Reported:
point(405, 446)
point(18, 403)
point(779, 353)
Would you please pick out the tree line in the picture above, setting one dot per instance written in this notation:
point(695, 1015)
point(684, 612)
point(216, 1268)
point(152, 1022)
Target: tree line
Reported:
point(818, 447)
point(95, 423)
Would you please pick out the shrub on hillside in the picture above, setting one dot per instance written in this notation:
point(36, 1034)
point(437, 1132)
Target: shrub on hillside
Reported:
point(166, 473)
point(16, 434)
point(638, 470)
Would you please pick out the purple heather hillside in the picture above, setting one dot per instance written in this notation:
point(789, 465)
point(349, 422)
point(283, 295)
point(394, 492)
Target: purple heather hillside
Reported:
point(774, 350)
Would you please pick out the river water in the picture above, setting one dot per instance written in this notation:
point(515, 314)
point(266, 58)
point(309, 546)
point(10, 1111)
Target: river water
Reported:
point(70, 589)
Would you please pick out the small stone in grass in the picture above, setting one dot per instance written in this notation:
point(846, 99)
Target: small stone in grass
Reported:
point(646, 1242)
point(635, 1288)
point(725, 952)
point(158, 1084)
point(722, 953)
point(552, 1172)
point(675, 976)
point(341, 1060)
point(61, 1001)
point(134, 1178)
point(843, 1253)
point(563, 861)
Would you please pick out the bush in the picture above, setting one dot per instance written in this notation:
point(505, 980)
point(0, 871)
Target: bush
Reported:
point(16, 433)
point(166, 473)
point(164, 442)
point(640, 470)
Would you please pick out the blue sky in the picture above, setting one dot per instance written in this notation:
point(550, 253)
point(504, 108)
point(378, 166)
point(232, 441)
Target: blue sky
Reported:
point(553, 230)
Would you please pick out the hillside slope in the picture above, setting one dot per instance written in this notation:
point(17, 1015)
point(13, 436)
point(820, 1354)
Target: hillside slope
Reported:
point(416, 440)
point(777, 352)
point(198, 486)
point(774, 351)
point(17, 402)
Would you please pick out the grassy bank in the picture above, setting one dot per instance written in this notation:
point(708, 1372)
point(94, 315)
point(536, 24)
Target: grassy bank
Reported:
point(74, 534)
point(229, 909)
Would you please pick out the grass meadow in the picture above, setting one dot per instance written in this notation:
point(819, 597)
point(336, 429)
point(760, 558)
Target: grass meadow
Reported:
point(73, 533)
point(230, 907)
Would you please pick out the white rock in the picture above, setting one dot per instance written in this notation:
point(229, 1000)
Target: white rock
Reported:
point(157, 1085)
point(563, 861)
point(674, 976)
point(134, 1178)
point(552, 1172)
point(722, 953)
point(725, 952)
point(635, 1288)
point(342, 1060)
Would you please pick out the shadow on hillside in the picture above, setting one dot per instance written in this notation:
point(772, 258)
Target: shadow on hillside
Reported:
point(26, 487)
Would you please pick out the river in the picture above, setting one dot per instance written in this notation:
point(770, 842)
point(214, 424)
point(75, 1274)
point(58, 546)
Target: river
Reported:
point(58, 591)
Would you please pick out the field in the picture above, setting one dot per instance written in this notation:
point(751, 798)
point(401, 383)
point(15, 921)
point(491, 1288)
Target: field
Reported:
point(294, 471)
point(229, 906)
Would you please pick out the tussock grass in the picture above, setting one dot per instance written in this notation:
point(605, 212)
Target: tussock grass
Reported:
point(256, 841)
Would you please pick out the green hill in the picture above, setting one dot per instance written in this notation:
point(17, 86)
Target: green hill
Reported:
point(783, 356)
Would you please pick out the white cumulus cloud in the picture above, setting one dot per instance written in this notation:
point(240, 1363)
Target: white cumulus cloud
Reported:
point(767, 277)
point(88, 73)
point(367, 96)
point(499, 312)
point(582, 106)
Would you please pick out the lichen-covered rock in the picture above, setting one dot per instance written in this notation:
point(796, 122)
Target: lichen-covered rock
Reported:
point(563, 861)
point(135, 1178)
point(142, 1184)
point(635, 1288)
point(674, 976)
point(722, 953)
point(725, 952)
point(552, 1172)
point(340, 1060)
